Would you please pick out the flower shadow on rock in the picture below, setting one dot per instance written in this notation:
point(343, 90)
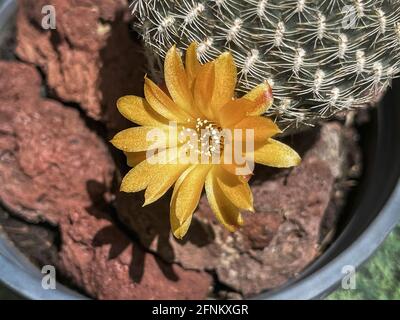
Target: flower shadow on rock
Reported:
point(122, 73)
point(151, 224)
point(123, 66)
point(119, 238)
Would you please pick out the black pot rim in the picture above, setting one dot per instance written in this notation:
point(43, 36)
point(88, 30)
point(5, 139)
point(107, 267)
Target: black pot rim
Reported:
point(317, 280)
point(322, 282)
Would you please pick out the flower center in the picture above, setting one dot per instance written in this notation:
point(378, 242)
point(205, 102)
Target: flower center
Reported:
point(206, 137)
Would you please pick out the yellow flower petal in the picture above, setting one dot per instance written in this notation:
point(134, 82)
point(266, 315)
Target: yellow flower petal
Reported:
point(162, 103)
point(179, 230)
point(262, 95)
point(228, 214)
point(138, 139)
point(187, 192)
point(276, 154)
point(134, 158)
point(203, 89)
point(192, 64)
point(177, 82)
point(158, 186)
point(236, 162)
point(264, 128)
point(137, 178)
point(237, 169)
point(229, 167)
point(225, 81)
point(235, 189)
point(137, 110)
point(149, 171)
point(234, 111)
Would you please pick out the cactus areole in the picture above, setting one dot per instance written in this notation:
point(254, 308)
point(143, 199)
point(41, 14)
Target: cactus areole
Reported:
point(321, 57)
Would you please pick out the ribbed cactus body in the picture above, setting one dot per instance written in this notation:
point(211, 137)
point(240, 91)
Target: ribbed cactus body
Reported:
point(320, 56)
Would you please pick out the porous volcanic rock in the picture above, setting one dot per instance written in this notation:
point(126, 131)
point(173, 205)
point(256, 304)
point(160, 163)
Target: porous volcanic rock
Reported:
point(281, 238)
point(49, 160)
point(19, 81)
point(103, 261)
point(92, 57)
point(54, 169)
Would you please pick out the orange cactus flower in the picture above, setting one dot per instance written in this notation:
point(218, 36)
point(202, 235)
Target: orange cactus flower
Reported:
point(200, 98)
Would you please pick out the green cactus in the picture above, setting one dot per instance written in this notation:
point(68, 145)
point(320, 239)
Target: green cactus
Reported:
point(320, 56)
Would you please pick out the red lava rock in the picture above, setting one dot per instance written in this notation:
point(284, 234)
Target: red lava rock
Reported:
point(100, 259)
point(13, 86)
point(151, 224)
point(54, 169)
point(49, 159)
point(91, 57)
point(279, 240)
